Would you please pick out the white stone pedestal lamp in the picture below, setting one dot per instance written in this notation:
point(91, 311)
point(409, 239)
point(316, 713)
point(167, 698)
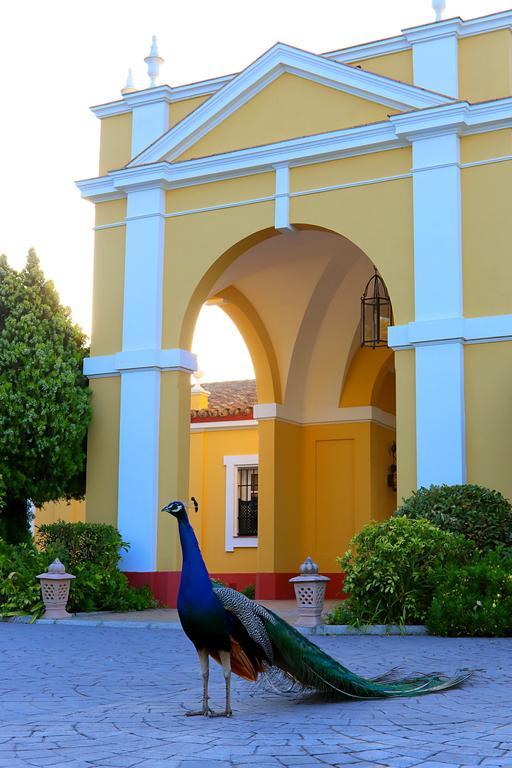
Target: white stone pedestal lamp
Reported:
point(309, 592)
point(55, 586)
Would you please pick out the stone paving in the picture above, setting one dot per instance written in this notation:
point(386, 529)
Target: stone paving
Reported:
point(97, 697)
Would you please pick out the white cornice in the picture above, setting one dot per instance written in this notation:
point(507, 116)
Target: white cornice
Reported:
point(465, 330)
point(138, 360)
point(369, 50)
point(394, 133)
point(219, 426)
point(365, 413)
point(278, 60)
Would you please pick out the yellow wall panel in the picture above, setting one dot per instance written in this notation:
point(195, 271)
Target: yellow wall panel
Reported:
point(488, 388)
point(486, 239)
point(405, 367)
point(397, 66)
point(72, 511)
point(485, 66)
point(103, 451)
point(115, 142)
point(384, 498)
point(221, 192)
point(288, 107)
point(484, 146)
point(180, 109)
point(108, 287)
point(377, 165)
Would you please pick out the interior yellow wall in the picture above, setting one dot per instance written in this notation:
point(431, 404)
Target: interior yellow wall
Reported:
point(72, 511)
point(397, 66)
point(180, 109)
point(365, 376)
point(288, 107)
point(383, 498)
point(103, 451)
point(486, 238)
point(208, 485)
point(108, 279)
point(488, 397)
point(115, 142)
point(405, 367)
point(485, 66)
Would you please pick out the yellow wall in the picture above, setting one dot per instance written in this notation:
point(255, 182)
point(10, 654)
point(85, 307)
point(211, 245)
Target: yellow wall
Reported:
point(115, 142)
point(485, 66)
point(72, 511)
point(108, 279)
point(486, 238)
point(397, 66)
point(208, 485)
point(405, 367)
point(288, 107)
point(180, 109)
point(103, 451)
point(488, 396)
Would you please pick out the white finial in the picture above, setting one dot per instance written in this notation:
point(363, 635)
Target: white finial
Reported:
point(153, 61)
point(438, 7)
point(197, 388)
point(130, 85)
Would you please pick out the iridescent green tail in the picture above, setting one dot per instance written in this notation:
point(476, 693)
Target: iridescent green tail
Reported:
point(306, 664)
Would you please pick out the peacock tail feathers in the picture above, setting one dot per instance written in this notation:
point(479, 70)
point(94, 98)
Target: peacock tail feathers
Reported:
point(294, 663)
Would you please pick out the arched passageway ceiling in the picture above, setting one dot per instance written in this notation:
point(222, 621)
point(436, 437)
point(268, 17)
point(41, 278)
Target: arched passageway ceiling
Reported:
point(305, 287)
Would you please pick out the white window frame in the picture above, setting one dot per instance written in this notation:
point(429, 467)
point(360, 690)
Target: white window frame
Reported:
point(232, 463)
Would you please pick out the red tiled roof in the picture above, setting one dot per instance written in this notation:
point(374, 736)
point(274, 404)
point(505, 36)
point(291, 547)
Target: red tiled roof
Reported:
point(228, 400)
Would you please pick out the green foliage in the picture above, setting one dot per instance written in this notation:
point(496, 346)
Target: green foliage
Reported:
point(341, 614)
point(44, 397)
point(474, 600)
point(249, 591)
point(390, 569)
point(482, 515)
point(83, 543)
point(19, 589)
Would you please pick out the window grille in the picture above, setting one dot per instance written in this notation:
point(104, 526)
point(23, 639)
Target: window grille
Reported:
point(247, 495)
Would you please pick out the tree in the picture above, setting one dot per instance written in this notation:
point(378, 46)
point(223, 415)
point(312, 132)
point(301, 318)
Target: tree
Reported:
point(44, 397)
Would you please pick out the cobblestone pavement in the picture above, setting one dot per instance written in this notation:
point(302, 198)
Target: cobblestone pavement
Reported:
point(94, 697)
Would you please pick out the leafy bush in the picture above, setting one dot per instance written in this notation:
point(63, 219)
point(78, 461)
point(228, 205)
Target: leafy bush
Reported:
point(83, 543)
point(390, 569)
point(481, 515)
point(475, 599)
point(249, 591)
point(19, 588)
point(89, 551)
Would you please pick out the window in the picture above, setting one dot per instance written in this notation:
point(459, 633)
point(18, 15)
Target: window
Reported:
point(241, 501)
point(247, 487)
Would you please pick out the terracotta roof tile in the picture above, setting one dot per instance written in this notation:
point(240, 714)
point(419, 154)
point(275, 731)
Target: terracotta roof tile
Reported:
point(228, 399)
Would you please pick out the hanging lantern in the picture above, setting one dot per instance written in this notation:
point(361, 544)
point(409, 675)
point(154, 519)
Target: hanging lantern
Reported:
point(376, 313)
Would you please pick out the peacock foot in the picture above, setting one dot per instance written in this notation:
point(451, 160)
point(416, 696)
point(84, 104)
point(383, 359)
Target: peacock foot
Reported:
point(226, 713)
point(205, 712)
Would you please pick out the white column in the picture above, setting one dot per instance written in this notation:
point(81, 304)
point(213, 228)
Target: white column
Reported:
point(435, 56)
point(149, 121)
point(440, 421)
point(282, 204)
point(140, 387)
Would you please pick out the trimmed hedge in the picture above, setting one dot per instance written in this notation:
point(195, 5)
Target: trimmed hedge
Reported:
point(482, 515)
point(390, 571)
point(474, 600)
point(82, 543)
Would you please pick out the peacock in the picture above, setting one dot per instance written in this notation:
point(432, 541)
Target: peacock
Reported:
point(250, 640)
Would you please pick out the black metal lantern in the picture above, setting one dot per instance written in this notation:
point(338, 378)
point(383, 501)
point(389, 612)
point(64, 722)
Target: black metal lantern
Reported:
point(376, 313)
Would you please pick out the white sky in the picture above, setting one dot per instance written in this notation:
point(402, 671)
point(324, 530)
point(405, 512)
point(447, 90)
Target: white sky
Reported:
point(58, 57)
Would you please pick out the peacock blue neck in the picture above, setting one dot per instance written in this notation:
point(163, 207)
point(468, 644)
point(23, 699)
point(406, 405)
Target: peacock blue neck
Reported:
point(194, 575)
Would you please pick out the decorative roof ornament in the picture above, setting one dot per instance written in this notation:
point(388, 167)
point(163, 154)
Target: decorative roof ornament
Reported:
point(130, 85)
point(197, 389)
point(438, 7)
point(153, 62)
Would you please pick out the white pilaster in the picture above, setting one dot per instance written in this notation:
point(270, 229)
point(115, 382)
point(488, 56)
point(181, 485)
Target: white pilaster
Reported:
point(149, 122)
point(440, 420)
point(140, 389)
point(282, 209)
point(435, 56)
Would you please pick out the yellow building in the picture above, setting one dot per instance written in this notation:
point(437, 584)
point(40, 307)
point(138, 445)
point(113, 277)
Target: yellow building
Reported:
point(275, 193)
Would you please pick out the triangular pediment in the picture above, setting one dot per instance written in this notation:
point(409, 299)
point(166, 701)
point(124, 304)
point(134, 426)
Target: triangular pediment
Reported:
point(344, 96)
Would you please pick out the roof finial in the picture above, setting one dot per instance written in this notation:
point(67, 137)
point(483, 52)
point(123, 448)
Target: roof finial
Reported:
point(130, 85)
point(153, 61)
point(439, 6)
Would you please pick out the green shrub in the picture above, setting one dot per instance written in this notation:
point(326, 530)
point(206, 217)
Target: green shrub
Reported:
point(81, 543)
point(474, 600)
point(390, 569)
point(481, 515)
point(19, 589)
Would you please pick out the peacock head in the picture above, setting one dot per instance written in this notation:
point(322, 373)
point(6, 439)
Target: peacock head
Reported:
point(176, 508)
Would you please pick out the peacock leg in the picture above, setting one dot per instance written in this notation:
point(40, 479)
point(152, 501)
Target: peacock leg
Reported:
point(205, 672)
point(225, 660)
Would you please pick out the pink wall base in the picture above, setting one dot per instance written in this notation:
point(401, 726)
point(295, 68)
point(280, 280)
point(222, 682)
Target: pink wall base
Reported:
point(269, 586)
